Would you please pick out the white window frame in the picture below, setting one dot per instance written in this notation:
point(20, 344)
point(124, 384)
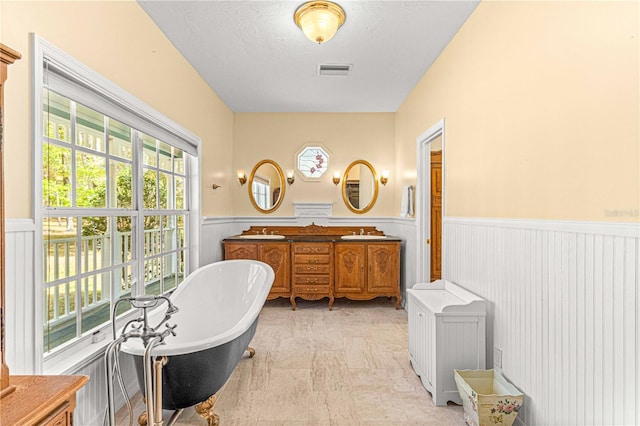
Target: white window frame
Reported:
point(262, 191)
point(84, 350)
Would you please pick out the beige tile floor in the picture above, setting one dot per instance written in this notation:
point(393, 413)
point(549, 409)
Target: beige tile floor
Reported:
point(318, 367)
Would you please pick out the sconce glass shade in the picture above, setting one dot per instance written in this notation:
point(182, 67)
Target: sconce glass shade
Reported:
point(319, 20)
point(290, 177)
point(336, 177)
point(384, 177)
point(242, 178)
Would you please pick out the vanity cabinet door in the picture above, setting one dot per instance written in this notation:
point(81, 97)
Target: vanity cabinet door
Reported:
point(277, 256)
point(384, 267)
point(350, 268)
point(233, 250)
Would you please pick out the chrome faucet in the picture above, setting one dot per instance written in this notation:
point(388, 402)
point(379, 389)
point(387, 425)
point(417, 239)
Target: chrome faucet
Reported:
point(361, 231)
point(264, 231)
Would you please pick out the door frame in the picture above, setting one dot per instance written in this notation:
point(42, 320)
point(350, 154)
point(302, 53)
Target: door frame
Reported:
point(423, 200)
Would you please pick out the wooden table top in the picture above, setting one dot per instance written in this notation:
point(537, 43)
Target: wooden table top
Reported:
point(35, 396)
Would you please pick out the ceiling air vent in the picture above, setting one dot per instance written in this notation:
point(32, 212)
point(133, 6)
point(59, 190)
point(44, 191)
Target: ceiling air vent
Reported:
point(334, 69)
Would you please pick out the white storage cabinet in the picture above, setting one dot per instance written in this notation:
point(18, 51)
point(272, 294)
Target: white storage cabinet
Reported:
point(446, 332)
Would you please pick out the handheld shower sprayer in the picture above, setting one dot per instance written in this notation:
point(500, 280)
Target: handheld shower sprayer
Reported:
point(151, 336)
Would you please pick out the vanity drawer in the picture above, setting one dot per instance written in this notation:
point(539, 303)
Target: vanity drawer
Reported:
point(312, 269)
point(315, 280)
point(312, 248)
point(311, 259)
point(311, 289)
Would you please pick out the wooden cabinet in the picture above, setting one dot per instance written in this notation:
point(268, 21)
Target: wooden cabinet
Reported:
point(314, 262)
point(7, 57)
point(41, 400)
point(446, 332)
point(312, 272)
point(274, 254)
point(368, 270)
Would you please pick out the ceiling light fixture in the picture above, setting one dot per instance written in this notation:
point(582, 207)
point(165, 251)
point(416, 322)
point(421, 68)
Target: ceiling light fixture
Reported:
point(319, 20)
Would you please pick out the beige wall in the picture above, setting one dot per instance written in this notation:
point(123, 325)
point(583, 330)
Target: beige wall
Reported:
point(541, 101)
point(118, 40)
point(349, 137)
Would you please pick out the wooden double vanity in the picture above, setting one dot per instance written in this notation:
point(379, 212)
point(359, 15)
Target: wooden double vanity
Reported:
point(314, 262)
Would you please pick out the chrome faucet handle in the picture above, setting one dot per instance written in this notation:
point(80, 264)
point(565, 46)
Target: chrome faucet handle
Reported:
point(264, 231)
point(361, 231)
point(171, 329)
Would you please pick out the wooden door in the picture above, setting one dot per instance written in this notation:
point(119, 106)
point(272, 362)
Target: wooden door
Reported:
point(350, 273)
point(436, 215)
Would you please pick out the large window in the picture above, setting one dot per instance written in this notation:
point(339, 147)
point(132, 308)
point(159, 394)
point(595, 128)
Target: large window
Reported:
point(115, 204)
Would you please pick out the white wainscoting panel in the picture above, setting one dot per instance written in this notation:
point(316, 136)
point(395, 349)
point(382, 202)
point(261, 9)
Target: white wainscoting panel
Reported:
point(19, 296)
point(92, 398)
point(564, 308)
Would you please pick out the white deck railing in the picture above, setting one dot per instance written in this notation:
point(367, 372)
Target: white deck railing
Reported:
point(60, 262)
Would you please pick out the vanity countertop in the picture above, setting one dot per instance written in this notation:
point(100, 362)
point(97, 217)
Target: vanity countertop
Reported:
point(316, 239)
point(313, 234)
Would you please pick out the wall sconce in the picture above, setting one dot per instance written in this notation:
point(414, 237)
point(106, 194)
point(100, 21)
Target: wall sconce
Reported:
point(384, 177)
point(336, 177)
point(319, 20)
point(290, 177)
point(242, 178)
point(216, 186)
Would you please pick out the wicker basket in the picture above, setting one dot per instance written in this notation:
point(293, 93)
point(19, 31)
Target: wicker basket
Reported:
point(487, 397)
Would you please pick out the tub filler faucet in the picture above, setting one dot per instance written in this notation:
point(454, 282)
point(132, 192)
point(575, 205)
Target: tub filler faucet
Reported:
point(151, 336)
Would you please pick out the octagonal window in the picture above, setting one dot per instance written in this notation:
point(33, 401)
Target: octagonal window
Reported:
point(312, 161)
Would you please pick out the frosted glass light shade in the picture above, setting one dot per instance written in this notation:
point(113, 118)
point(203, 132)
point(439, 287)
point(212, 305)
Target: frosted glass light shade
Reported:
point(319, 20)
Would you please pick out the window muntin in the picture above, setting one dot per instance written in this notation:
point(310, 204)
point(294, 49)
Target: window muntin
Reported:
point(90, 218)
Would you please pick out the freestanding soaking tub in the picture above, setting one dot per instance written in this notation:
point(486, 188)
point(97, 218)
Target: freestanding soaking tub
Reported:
point(217, 318)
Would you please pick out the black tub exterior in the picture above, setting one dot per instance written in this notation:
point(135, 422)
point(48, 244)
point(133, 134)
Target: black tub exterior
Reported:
point(191, 378)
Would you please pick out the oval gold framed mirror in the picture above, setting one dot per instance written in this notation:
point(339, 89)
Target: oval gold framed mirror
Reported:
point(360, 187)
point(266, 186)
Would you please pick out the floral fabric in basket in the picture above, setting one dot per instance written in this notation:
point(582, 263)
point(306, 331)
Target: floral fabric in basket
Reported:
point(487, 398)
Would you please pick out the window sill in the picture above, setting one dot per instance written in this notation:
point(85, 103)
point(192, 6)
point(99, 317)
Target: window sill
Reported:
point(78, 360)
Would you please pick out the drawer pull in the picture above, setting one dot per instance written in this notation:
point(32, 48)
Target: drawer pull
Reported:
point(313, 260)
point(312, 281)
point(312, 268)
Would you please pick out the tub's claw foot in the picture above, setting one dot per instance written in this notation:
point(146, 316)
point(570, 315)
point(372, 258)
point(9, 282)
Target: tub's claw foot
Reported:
point(205, 410)
point(252, 352)
point(142, 419)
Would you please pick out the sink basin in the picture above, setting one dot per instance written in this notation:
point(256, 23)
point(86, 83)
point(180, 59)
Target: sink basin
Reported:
point(363, 237)
point(262, 237)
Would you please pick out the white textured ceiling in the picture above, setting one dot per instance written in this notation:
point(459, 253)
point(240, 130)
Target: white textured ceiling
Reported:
point(256, 59)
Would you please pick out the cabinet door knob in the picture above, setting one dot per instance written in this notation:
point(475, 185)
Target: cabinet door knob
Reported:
point(429, 241)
